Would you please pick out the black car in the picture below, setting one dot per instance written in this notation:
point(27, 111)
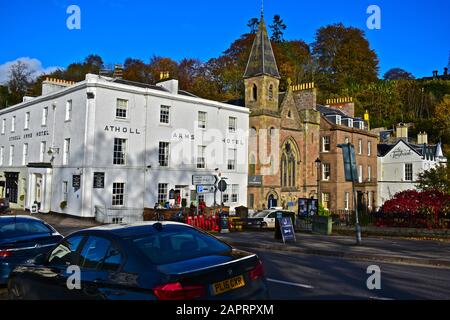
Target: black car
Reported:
point(150, 260)
point(22, 238)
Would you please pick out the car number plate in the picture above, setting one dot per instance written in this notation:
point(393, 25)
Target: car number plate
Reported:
point(228, 285)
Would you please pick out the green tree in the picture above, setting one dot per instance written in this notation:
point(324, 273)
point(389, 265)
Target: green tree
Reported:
point(253, 24)
point(344, 58)
point(277, 28)
point(19, 81)
point(437, 178)
point(398, 74)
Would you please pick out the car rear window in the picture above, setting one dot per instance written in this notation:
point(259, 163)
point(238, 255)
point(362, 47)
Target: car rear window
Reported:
point(22, 228)
point(172, 245)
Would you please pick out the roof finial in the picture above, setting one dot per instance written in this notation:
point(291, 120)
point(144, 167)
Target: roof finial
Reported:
point(262, 8)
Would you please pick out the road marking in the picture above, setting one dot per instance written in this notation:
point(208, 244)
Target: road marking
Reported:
point(380, 298)
point(291, 283)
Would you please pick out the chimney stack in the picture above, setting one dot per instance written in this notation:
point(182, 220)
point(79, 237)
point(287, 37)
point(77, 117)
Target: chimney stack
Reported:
point(422, 138)
point(118, 71)
point(445, 71)
point(402, 131)
point(167, 83)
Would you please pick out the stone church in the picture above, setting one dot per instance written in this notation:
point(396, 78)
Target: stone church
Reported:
point(284, 132)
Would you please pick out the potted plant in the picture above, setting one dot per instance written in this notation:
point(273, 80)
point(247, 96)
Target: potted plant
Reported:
point(322, 222)
point(63, 205)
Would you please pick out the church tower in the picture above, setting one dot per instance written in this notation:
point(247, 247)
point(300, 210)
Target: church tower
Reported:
point(261, 77)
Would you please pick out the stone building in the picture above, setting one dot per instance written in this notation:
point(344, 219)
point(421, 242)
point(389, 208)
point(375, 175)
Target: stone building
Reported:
point(284, 131)
point(338, 126)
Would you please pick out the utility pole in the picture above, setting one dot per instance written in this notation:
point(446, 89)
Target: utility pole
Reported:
point(355, 200)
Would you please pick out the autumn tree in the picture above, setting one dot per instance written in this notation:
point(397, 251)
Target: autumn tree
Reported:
point(136, 70)
point(398, 74)
point(277, 28)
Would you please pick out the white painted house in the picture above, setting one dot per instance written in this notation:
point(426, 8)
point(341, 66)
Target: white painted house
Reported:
point(107, 146)
point(399, 165)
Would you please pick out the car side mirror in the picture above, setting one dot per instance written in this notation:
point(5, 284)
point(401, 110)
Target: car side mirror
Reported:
point(40, 259)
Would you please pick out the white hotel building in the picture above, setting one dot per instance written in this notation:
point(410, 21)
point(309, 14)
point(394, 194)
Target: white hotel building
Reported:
point(110, 146)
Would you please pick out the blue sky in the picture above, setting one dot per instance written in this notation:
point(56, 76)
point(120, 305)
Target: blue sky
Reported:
point(414, 35)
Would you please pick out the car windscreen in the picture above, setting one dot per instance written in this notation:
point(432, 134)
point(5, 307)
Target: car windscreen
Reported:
point(261, 214)
point(13, 229)
point(174, 244)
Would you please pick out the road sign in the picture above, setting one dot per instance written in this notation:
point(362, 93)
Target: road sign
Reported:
point(348, 152)
point(287, 229)
point(202, 189)
point(222, 186)
point(204, 180)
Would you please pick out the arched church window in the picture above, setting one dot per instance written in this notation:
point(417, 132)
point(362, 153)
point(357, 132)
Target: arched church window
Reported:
point(271, 92)
point(255, 92)
point(252, 166)
point(288, 166)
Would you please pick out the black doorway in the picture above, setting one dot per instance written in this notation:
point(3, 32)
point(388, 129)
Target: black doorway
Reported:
point(12, 186)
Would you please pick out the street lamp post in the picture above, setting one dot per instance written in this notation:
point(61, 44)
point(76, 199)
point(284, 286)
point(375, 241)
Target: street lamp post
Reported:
point(318, 165)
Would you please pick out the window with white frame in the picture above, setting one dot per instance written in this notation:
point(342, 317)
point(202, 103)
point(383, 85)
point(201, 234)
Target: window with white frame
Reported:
point(370, 199)
point(360, 143)
point(44, 116)
point(369, 148)
point(408, 171)
point(326, 171)
point(202, 120)
point(201, 161)
point(162, 192)
point(121, 108)
point(225, 197)
point(360, 173)
point(234, 193)
point(65, 190)
point(119, 154)
point(231, 165)
point(347, 201)
point(68, 110)
point(3, 126)
point(27, 121)
point(326, 145)
point(163, 154)
point(11, 155)
point(118, 194)
point(232, 121)
point(164, 115)
point(66, 155)
point(369, 173)
point(25, 154)
point(2, 154)
point(325, 200)
point(13, 124)
point(43, 151)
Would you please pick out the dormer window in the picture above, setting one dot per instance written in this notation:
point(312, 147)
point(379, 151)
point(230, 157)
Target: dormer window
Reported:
point(255, 92)
point(271, 92)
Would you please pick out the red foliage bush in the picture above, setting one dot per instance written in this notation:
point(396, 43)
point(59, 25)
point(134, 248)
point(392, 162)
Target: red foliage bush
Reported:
point(412, 208)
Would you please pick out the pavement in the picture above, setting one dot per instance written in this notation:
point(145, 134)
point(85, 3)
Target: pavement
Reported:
point(391, 250)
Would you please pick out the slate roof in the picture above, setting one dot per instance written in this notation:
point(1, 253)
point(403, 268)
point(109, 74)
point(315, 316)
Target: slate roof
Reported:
point(427, 151)
point(262, 60)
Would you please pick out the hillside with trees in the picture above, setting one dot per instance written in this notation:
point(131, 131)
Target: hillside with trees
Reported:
point(340, 61)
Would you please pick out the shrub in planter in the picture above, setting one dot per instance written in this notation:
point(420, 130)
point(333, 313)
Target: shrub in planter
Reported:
point(63, 205)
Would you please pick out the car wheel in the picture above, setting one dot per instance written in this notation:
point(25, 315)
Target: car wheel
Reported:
point(263, 225)
point(15, 291)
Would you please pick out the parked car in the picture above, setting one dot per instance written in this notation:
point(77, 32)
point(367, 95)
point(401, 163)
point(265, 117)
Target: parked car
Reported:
point(4, 205)
point(22, 238)
point(149, 260)
point(265, 219)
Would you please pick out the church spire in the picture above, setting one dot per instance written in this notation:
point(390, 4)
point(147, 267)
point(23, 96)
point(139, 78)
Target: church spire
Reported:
point(262, 60)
